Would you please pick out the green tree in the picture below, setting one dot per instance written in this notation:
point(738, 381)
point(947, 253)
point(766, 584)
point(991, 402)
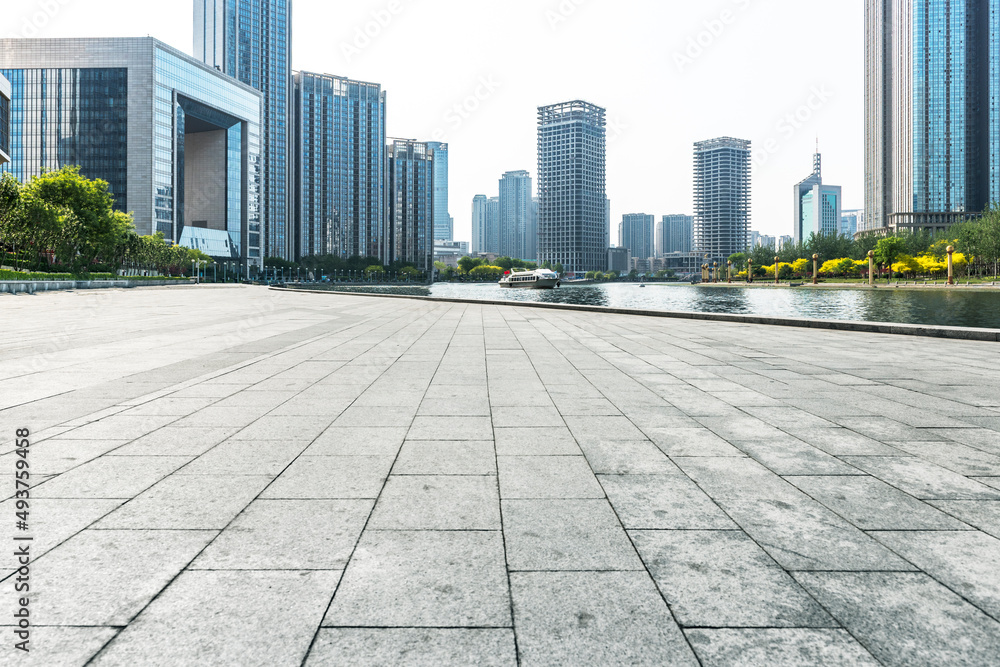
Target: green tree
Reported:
point(888, 249)
point(739, 261)
point(467, 264)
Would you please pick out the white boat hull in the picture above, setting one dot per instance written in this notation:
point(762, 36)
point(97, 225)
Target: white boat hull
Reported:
point(541, 283)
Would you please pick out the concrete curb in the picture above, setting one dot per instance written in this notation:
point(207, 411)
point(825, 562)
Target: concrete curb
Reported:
point(924, 330)
point(32, 286)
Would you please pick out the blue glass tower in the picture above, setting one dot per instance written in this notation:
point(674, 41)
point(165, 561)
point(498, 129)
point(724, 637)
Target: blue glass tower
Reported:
point(251, 40)
point(340, 171)
point(443, 224)
point(411, 202)
point(932, 111)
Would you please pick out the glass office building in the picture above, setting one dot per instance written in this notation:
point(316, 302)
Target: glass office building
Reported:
point(818, 206)
point(516, 233)
point(4, 120)
point(479, 221)
point(251, 40)
point(636, 232)
point(932, 87)
point(721, 197)
point(178, 142)
point(674, 234)
point(572, 199)
point(411, 203)
point(340, 167)
point(444, 224)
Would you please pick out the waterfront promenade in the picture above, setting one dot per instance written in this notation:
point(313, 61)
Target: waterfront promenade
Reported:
point(238, 476)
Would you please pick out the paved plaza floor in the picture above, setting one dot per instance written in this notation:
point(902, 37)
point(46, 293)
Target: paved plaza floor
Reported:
point(237, 476)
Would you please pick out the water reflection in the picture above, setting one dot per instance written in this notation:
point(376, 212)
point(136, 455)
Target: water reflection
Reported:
point(927, 306)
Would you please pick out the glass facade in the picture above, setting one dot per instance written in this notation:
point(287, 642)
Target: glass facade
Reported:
point(178, 143)
point(411, 203)
point(443, 223)
point(340, 150)
point(255, 49)
point(70, 117)
point(515, 233)
point(4, 120)
point(721, 197)
point(636, 233)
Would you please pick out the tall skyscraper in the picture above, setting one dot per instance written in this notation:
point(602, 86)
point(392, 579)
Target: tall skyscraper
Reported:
point(932, 110)
point(721, 197)
point(531, 236)
point(572, 200)
point(817, 206)
point(4, 120)
point(851, 222)
point(411, 203)
point(340, 149)
point(479, 223)
point(251, 40)
point(444, 224)
point(636, 233)
point(493, 225)
point(673, 234)
point(178, 142)
point(515, 215)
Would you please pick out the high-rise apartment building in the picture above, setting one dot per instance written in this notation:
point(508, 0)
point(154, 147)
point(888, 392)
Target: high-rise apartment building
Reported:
point(721, 197)
point(340, 167)
point(818, 206)
point(851, 222)
point(479, 224)
point(251, 40)
point(493, 225)
point(932, 111)
point(444, 224)
point(515, 216)
point(674, 234)
point(177, 141)
point(4, 120)
point(411, 203)
point(636, 233)
point(572, 200)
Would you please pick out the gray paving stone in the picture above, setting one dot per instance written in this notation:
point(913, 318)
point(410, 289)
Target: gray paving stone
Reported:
point(290, 429)
point(992, 482)
point(186, 502)
point(423, 457)
point(331, 477)
point(111, 477)
point(451, 428)
point(741, 427)
point(437, 503)
point(885, 429)
point(597, 430)
point(203, 617)
point(358, 441)
point(56, 645)
point(547, 477)
point(565, 535)
point(117, 427)
point(721, 578)
point(789, 456)
point(871, 504)
point(383, 415)
point(245, 457)
point(55, 520)
point(842, 442)
point(906, 618)
point(964, 561)
point(594, 618)
point(455, 407)
point(171, 441)
point(288, 535)
point(923, 479)
point(663, 502)
point(987, 440)
point(170, 405)
point(363, 647)
point(512, 417)
point(691, 442)
point(54, 457)
point(982, 514)
point(956, 457)
point(536, 442)
point(777, 648)
point(106, 577)
point(447, 578)
point(627, 458)
point(215, 417)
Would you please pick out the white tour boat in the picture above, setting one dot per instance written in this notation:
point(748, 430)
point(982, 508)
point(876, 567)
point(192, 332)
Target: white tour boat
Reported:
point(537, 279)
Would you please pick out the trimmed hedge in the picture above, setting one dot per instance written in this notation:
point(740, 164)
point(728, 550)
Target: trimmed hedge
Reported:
point(33, 276)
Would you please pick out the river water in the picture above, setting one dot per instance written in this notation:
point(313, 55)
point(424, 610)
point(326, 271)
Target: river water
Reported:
point(961, 307)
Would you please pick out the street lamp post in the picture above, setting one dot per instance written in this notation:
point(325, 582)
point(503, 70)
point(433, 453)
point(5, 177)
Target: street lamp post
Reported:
point(815, 269)
point(749, 271)
point(871, 268)
point(729, 272)
point(951, 265)
point(776, 260)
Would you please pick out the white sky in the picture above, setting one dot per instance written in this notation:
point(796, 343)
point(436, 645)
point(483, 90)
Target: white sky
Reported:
point(764, 62)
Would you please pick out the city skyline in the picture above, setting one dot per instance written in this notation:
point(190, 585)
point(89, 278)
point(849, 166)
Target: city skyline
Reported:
point(506, 101)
